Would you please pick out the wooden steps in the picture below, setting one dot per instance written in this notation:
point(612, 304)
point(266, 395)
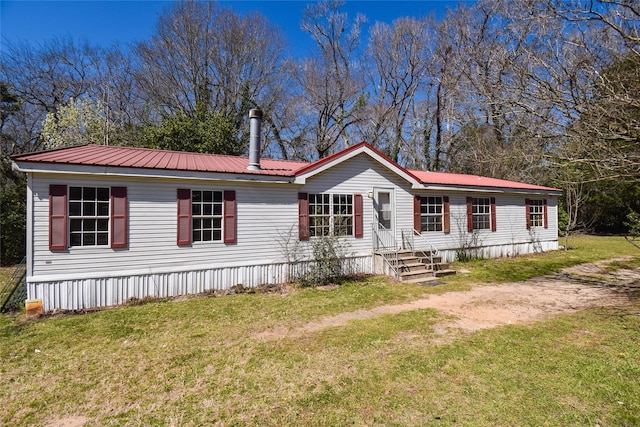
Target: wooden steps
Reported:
point(416, 267)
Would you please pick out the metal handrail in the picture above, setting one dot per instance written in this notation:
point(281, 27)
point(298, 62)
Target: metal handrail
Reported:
point(408, 236)
point(385, 243)
point(407, 240)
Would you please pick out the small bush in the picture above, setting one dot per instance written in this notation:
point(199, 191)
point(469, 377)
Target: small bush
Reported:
point(633, 224)
point(470, 247)
point(328, 262)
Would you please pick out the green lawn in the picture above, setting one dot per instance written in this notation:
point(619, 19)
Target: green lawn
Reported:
point(581, 249)
point(201, 362)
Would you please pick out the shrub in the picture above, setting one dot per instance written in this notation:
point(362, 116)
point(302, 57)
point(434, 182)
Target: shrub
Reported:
point(328, 261)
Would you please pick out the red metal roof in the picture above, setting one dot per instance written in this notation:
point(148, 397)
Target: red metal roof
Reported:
point(446, 178)
point(433, 178)
point(130, 157)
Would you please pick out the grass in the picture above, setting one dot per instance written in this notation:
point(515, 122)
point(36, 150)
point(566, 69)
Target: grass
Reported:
point(5, 275)
point(199, 361)
point(582, 249)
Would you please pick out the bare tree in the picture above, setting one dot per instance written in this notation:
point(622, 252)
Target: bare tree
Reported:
point(620, 16)
point(435, 118)
point(174, 74)
point(116, 90)
point(331, 81)
point(44, 79)
point(249, 65)
point(284, 123)
point(399, 57)
point(605, 132)
point(493, 131)
point(204, 58)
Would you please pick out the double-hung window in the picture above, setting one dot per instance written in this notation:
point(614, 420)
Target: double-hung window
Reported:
point(431, 213)
point(481, 213)
point(206, 215)
point(89, 216)
point(319, 215)
point(536, 213)
point(330, 214)
point(342, 214)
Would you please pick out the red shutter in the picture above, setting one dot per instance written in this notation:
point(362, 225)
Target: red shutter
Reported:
point(357, 215)
point(544, 213)
point(469, 214)
point(446, 215)
point(527, 207)
point(184, 216)
point(493, 214)
point(303, 216)
point(118, 217)
point(230, 216)
point(57, 217)
point(417, 224)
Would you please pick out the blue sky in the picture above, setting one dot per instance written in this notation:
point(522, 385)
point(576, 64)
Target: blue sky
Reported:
point(105, 22)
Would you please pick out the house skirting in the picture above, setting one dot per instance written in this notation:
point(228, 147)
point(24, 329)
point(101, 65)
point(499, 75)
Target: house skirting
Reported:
point(500, 251)
point(90, 292)
point(107, 290)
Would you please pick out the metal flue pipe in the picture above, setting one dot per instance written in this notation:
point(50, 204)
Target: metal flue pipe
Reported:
point(255, 123)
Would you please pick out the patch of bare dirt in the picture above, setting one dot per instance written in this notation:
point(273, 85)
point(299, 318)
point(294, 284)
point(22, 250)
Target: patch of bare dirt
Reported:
point(573, 289)
point(72, 421)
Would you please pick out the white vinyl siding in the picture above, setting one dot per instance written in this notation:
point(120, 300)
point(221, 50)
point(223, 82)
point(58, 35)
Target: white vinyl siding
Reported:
point(360, 175)
point(266, 218)
point(511, 235)
point(267, 223)
point(265, 214)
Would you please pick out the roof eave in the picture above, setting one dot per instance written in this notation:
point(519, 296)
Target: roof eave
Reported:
point(58, 168)
point(490, 189)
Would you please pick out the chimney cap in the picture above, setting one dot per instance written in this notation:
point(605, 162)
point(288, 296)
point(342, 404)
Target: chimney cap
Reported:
point(255, 113)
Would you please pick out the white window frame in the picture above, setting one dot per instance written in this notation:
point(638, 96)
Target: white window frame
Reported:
point(342, 214)
point(536, 212)
point(89, 217)
point(206, 215)
point(319, 215)
point(481, 213)
point(330, 214)
point(431, 213)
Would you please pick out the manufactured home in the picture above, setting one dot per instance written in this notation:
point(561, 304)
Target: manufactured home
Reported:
point(106, 224)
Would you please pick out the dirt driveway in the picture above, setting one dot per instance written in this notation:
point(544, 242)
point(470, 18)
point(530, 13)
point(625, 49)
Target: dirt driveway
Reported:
point(486, 306)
